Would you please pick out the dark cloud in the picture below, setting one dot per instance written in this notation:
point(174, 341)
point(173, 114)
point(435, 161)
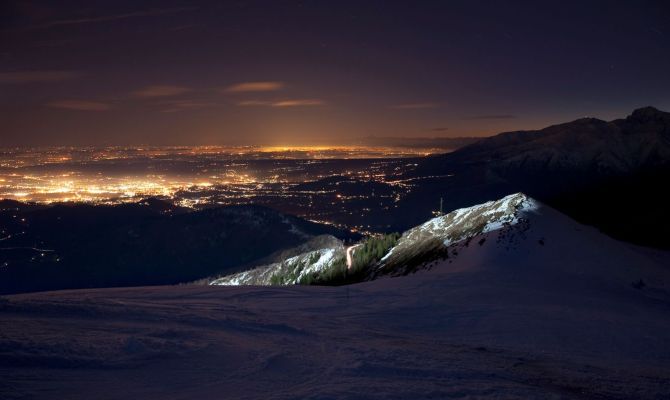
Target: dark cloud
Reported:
point(20, 77)
point(260, 86)
point(414, 106)
point(160, 91)
point(114, 17)
point(80, 105)
point(283, 103)
point(490, 116)
point(184, 105)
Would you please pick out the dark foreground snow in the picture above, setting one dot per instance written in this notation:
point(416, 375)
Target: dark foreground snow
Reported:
point(430, 341)
point(551, 311)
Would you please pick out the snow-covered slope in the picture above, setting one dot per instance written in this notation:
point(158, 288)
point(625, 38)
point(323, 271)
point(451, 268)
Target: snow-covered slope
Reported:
point(426, 242)
point(507, 233)
point(530, 306)
point(432, 239)
point(291, 271)
point(520, 236)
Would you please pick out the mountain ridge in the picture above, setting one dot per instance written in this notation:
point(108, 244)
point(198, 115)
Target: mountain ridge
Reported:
point(588, 168)
point(514, 228)
point(575, 135)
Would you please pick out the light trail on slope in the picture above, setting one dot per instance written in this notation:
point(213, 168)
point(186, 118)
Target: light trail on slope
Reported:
point(350, 253)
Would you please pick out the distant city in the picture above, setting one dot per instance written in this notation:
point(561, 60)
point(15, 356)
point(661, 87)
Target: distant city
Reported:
point(293, 179)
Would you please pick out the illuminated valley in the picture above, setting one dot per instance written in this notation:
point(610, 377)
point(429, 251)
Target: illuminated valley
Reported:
point(334, 185)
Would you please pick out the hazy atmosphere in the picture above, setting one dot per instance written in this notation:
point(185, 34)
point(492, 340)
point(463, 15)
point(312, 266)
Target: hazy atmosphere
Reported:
point(305, 72)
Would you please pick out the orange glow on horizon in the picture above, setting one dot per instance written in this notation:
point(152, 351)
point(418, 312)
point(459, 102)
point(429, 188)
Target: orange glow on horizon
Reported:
point(82, 176)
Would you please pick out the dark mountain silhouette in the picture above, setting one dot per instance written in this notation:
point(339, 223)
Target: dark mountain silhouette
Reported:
point(147, 243)
point(608, 174)
point(622, 146)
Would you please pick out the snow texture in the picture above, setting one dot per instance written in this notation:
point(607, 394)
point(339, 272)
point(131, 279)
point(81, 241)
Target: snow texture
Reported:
point(543, 308)
point(299, 266)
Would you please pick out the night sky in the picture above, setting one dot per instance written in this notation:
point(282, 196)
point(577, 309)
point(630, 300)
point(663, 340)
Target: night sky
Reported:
point(318, 72)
